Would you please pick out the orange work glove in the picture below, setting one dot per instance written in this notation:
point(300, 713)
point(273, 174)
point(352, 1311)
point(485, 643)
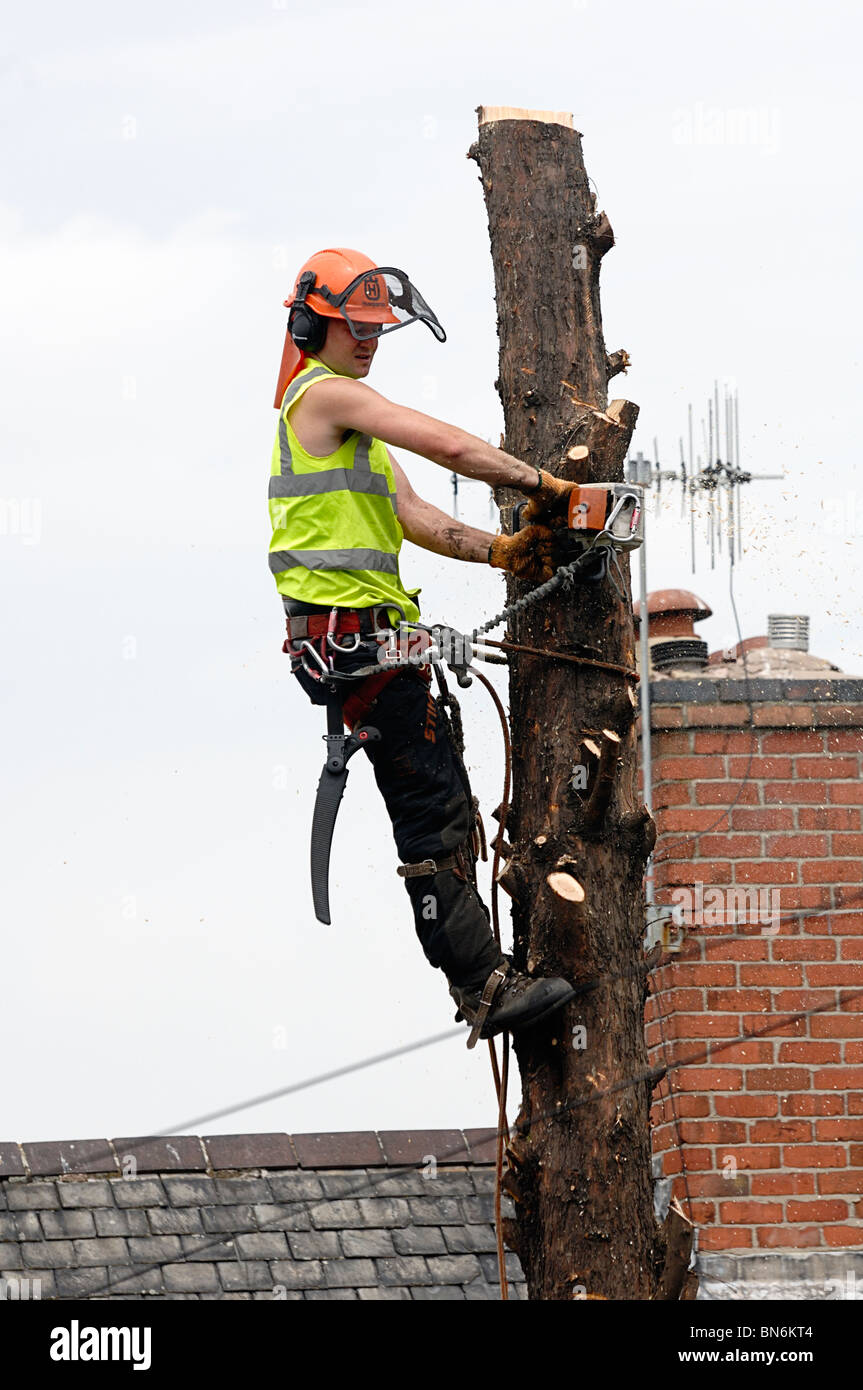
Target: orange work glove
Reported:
point(549, 502)
point(527, 554)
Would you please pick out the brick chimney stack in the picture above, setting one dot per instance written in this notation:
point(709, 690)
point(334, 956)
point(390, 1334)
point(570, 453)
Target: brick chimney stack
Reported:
point(758, 799)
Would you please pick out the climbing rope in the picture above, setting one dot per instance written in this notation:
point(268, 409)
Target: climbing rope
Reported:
point(501, 1080)
point(628, 671)
point(450, 711)
point(563, 577)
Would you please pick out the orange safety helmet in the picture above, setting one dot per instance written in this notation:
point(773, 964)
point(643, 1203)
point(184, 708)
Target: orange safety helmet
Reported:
point(334, 271)
point(345, 284)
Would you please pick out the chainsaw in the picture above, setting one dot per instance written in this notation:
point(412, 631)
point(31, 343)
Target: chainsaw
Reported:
point(610, 514)
point(602, 519)
point(613, 512)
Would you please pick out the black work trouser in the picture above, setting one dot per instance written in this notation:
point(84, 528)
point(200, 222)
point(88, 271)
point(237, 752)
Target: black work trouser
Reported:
point(418, 774)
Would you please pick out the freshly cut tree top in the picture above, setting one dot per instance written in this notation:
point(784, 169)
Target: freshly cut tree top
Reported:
point(487, 114)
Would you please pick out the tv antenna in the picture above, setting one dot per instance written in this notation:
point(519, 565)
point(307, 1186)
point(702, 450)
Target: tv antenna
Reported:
point(715, 474)
point(720, 480)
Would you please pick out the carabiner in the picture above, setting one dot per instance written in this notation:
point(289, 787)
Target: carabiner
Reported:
point(331, 637)
point(306, 647)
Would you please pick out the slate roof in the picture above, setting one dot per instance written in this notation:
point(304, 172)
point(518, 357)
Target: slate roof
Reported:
point(393, 1215)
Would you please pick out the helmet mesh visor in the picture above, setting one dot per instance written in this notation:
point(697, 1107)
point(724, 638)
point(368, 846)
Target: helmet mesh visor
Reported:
point(381, 301)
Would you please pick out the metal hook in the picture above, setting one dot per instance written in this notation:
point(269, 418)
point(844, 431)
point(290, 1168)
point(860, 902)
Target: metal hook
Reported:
point(331, 635)
point(306, 647)
point(337, 646)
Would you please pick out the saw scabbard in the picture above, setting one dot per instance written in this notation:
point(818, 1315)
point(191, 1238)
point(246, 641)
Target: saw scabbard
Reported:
point(341, 747)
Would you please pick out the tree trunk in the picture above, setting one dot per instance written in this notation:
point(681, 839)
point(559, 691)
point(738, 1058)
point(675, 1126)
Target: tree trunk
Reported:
point(580, 1153)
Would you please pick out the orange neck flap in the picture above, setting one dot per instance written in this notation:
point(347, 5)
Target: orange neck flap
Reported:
point(293, 361)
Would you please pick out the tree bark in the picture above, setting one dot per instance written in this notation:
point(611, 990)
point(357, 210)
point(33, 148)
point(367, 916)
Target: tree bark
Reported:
point(580, 1152)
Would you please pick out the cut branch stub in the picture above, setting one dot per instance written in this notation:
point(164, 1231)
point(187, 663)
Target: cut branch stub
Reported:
point(511, 1186)
point(653, 957)
point(500, 842)
point(515, 1153)
point(642, 827)
point(600, 235)
point(625, 708)
point(585, 767)
point(512, 1235)
point(678, 1247)
point(511, 878)
point(600, 756)
point(569, 894)
point(565, 886)
point(617, 362)
point(577, 453)
point(605, 433)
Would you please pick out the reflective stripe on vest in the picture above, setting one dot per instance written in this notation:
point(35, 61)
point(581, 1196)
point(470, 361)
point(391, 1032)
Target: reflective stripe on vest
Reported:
point(334, 560)
point(360, 478)
point(333, 480)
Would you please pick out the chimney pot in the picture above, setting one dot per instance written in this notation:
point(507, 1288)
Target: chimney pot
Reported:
point(788, 630)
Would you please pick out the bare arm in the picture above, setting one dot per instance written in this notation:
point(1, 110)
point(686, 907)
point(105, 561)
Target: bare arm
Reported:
point(351, 405)
point(429, 527)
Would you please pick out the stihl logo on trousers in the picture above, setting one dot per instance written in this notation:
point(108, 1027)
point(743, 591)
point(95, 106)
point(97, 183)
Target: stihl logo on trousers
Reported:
point(77, 1343)
point(431, 720)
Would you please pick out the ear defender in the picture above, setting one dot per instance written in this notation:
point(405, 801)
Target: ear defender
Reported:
point(307, 328)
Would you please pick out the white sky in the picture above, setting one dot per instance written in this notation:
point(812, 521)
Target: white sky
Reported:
point(166, 170)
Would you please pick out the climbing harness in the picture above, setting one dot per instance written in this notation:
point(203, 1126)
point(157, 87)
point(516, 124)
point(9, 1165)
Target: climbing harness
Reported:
point(313, 642)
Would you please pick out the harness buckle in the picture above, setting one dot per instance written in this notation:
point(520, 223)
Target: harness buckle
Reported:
point(426, 866)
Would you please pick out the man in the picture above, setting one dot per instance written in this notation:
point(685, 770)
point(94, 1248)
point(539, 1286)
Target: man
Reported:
point(340, 506)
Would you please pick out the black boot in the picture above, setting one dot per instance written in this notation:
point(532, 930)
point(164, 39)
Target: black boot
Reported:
point(509, 1000)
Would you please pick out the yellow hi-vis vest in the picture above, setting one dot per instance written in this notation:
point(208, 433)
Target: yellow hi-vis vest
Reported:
point(336, 533)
